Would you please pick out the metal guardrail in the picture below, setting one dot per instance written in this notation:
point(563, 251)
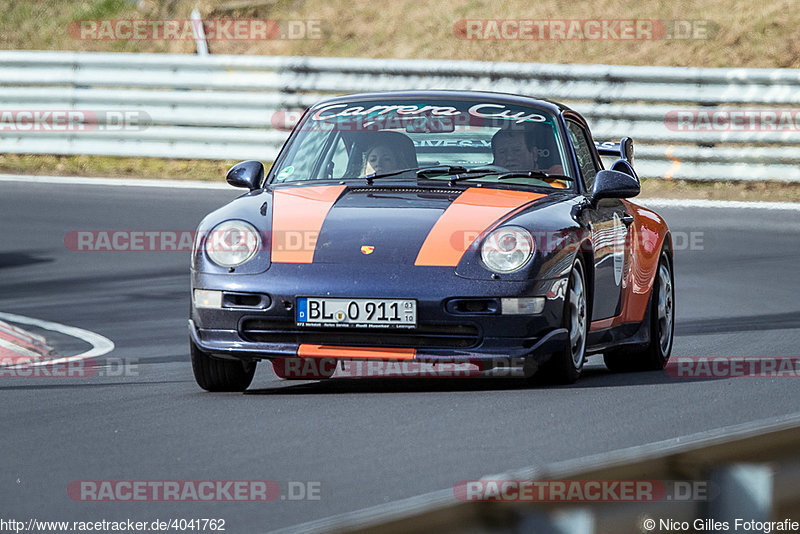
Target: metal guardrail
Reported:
point(225, 107)
point(748, 471)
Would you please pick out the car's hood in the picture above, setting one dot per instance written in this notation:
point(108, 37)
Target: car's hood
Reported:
point(385, 225)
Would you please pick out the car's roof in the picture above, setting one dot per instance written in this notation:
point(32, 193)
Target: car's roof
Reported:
point(554, 107)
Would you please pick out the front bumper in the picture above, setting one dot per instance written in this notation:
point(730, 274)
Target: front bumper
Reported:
point(443, 334)
point(228, 344)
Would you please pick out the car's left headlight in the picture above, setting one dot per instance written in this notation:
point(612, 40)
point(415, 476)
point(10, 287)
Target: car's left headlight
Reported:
point(507, 249)
point(232, 243)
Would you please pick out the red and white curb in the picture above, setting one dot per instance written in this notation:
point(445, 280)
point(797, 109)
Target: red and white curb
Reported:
point(17, 344)
point(20, 345)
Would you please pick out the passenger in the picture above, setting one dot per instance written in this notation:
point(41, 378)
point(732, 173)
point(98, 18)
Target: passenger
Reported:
point(516, 151)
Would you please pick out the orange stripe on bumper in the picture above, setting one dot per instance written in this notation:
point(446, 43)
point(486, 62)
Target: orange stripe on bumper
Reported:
point(355, 353)
point(464, 220)
point(297, 217)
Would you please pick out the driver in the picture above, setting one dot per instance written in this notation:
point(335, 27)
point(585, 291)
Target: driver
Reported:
point(387, 151)
point(516, 151)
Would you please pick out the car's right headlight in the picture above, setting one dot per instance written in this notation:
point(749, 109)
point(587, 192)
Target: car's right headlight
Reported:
point(507, 249)
point(232, 243)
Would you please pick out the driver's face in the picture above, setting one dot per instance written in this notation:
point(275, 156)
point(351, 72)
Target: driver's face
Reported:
point(381, 159)
point(511, 152)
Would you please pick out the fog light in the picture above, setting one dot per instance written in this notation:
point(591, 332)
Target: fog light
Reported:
point(523, 306)
point(205, 298)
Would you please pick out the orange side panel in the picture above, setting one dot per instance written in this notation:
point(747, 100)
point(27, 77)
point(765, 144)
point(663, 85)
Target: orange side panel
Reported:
point(648, 233)
point(605, 323)
point(297, 217)
point(355, 353)
point(464, 220)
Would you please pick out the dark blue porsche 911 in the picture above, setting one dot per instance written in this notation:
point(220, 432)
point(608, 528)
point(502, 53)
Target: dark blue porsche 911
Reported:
point(432, 227)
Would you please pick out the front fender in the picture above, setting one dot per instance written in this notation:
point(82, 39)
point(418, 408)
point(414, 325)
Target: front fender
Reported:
point(649, 233)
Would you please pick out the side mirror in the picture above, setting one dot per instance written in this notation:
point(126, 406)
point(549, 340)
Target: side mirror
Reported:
point(247, 174)
point(614, 184)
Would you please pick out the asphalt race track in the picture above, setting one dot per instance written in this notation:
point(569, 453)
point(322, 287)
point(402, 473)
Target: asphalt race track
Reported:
point(365, 442)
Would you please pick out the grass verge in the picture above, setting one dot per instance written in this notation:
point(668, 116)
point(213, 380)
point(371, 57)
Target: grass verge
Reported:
point(115, 167)
point(713, 33)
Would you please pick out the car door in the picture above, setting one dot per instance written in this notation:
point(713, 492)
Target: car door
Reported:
point(609, 222)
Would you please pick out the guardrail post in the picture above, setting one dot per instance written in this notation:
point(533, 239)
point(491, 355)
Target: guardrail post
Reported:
point(199, 33)
point(558, 522)
point(741, 491)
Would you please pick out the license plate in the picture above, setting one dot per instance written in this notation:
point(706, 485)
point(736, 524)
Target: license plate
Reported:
point(364, 313)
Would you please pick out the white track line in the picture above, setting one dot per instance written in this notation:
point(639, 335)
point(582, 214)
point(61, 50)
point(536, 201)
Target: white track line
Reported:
point(100, 345)
point(115, 182)
point(676, 445)
point(725, 204)
point(195, 184)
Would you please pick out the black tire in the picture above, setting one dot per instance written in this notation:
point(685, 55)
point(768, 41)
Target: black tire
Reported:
point(655, 355)
point(214, 374)
point(565, 366)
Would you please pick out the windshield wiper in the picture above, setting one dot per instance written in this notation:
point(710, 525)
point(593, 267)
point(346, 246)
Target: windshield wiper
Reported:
point(532, 174)
point(420, 171)
point(375, 176)
point(509, 174)
point(458, 173)
point(447, 170)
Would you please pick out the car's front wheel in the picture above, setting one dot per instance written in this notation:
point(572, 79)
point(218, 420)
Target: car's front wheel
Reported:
point(655, 355)
point(215, 374)
point(566, 365)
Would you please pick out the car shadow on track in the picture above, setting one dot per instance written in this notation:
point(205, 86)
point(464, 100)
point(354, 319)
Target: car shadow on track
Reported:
point(593, 377)
point(23, 258)
point(83, 384)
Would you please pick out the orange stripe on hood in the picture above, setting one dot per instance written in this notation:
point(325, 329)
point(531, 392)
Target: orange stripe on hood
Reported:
point(297, 217)
point(469, 215)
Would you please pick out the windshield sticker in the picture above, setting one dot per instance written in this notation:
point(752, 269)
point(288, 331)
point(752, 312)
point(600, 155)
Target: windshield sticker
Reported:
point(469, 143)
point(484, 110)
point(465, 143)
point(285, 173)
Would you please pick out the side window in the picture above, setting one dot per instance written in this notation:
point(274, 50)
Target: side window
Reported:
point(334, 162)
point(339, 159)
point(583, 153)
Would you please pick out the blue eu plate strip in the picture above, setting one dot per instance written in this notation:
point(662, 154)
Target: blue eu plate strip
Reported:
point(302, 310)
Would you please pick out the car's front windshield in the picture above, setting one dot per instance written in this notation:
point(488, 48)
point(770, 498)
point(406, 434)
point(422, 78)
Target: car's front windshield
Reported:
point(473, 140)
